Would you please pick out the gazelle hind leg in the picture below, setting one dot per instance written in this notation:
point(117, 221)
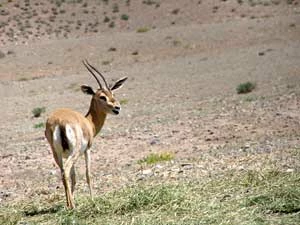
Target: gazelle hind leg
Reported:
point(88, 170)
point(68, 168)
point(73, 179)
point(64, 177)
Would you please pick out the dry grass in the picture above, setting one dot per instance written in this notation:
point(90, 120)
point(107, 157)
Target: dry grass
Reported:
point(250, 197)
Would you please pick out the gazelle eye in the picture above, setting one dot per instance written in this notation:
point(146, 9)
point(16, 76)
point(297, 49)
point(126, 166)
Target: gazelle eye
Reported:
point(103, 98)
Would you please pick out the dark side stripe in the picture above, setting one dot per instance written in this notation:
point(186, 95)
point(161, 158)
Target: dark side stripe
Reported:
point(64, 139)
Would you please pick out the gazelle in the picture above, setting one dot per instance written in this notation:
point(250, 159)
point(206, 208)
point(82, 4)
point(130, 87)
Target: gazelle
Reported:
point(70, 134)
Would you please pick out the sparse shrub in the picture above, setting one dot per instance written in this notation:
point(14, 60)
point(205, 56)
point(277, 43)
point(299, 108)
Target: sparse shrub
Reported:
point(112, 24)
point(244, 88)
point(124, 17)
point(106, 62)
point(175, 11)
point(2, 55)
point(38, 111)
point(115, 8)
point(149, 2)
point(106, 19)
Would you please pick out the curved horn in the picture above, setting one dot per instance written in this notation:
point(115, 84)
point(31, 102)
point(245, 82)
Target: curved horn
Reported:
point(86, 64)
point(106, 85)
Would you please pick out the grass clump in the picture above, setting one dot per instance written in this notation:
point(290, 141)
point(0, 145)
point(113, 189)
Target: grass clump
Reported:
point(39, 125)
point(156, 158)
point(38, 111)
point(124, 101)
point(246, 87)
point(142, 30)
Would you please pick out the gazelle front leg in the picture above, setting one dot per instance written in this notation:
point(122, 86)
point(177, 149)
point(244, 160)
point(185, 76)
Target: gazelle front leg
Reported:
point(88, 170)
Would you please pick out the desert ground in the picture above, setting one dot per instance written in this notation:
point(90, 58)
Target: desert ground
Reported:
point(184, 60)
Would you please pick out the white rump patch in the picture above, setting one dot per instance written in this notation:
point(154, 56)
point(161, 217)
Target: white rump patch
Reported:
point(71, 136)
point(57, 140)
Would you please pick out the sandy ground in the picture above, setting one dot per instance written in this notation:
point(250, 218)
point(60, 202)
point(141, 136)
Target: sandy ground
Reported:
point(180, 96)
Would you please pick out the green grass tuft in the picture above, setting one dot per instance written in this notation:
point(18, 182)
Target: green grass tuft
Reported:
point(156, 158)
point(244, 88)
point(39, 125)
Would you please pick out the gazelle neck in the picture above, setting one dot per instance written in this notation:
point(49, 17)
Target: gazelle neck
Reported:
point(96, 119)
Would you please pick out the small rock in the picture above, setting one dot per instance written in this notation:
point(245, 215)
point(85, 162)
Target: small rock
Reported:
point(10, 52)
point(155, 141)
point(4, 194)
point(158, 166)
point(187, 166)
point(112, 49)
point(52, 172)
point(147, 172)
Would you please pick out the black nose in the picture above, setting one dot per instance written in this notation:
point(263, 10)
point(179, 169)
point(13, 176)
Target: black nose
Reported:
point(117, 108)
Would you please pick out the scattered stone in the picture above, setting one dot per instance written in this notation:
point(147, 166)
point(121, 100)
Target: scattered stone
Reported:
point(112, 49)
point(144, 174)
point(5, 194)
point(187, 166)
point(147, 172)
point(52, 172)
point(154, 141)
point(10, 52)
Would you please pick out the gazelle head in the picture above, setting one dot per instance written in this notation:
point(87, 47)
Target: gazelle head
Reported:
point(103, 99)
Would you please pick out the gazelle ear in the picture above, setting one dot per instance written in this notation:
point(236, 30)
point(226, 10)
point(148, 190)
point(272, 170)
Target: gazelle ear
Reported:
point(87, 90)
point(118, 84)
